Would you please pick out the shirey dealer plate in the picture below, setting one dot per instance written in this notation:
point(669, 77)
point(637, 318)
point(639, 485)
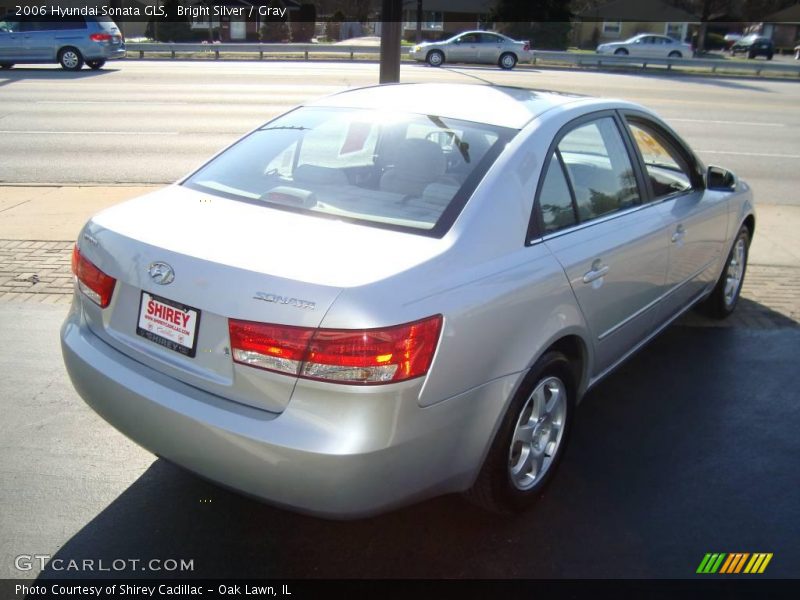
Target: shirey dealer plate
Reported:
point(168, 323)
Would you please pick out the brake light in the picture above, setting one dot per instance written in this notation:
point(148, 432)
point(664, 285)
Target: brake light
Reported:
point(95, 285)
point(357, 356)
point(526, 47)
point(100, 37)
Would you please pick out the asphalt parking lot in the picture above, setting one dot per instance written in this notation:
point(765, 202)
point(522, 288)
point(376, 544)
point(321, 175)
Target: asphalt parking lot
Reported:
point(689, 448)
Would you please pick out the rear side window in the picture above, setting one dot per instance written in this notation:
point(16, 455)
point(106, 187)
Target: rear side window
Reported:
point(555, 199)
point(599, 169)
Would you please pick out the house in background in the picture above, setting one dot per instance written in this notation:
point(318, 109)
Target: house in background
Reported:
point(622, 19)
point(783, 27)
point(443, 18)
point(232, 28)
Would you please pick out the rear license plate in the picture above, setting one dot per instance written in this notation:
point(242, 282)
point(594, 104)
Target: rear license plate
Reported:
point(168, 323)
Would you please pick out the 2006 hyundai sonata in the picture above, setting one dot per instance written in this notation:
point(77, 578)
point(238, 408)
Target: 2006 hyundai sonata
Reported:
point(398, 292)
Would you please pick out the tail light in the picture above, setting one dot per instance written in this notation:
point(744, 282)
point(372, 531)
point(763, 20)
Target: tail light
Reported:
point(95, 285)
point(100, 37)
point(526, 47)
point(353, 356)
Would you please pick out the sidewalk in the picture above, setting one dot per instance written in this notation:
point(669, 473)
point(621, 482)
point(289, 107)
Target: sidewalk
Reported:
point(38, 225)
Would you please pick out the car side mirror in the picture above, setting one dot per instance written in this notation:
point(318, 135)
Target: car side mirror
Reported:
point(720, 179)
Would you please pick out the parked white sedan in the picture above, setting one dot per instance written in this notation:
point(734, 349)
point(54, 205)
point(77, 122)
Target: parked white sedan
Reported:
point(485, 47)
point(656, 46)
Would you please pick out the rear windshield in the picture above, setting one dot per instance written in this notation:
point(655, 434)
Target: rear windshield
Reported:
point(394, 170)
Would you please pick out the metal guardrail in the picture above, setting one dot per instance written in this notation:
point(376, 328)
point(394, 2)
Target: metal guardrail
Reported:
point(713, 64)
point(304, 50)
point(756, 66)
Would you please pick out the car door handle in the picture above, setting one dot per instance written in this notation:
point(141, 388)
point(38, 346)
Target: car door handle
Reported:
point(598, 270)
point(680, 233)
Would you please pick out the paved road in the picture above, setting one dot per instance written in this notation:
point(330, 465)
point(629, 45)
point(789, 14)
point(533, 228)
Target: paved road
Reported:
point(152, 121)
point(685, 450)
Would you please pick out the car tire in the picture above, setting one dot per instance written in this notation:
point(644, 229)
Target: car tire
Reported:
point(723, 300)
point(675, 54)
point(769, 56)
point(621, 52)
point(506, 483)
point(94, 65)
point(751, 55)
point(6, 66)
point(797, 54)
point(70, 59)
point(508, 60)
point(435, 58)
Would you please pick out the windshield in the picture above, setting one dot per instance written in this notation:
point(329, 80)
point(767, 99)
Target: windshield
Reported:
point(395, 170)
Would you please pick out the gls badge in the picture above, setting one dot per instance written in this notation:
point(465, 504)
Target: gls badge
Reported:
point(296, 302)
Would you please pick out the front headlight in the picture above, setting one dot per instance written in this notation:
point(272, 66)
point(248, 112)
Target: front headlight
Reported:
point(415, 49)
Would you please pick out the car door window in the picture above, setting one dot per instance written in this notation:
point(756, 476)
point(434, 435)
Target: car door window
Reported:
point(666, 169)
point(488, 38)
point(469, 38)
point(599, 169)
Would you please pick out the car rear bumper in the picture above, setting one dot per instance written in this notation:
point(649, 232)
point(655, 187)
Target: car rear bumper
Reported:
point(342, 455)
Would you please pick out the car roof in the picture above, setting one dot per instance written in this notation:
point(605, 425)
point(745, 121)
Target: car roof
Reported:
point(494, 105)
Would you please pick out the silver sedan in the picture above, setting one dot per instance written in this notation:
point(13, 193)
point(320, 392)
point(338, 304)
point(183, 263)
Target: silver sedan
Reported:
point(398, 292)
point(485, 47)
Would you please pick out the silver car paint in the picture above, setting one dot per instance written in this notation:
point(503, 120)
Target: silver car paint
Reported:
point(487, 53)
point(346, 451)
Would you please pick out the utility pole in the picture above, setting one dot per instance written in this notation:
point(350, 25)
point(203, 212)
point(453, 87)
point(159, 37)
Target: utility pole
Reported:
point(391, 32)
point(418, 37)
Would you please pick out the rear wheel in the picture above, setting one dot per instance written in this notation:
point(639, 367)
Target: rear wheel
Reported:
point(6, 66)
point(507, 61)
point(675, 54)
point(70, 59)
point(621, 52)
point(769, 56)
point(722, 301)
point(531, 439)
point(435, 58)
point(751, 54)
point(95, 64)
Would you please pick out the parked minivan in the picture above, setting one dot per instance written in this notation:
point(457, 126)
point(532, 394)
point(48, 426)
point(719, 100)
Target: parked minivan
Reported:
point(69, 41)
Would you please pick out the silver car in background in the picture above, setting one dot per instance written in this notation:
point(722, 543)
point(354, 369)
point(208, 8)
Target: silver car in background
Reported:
point(485, 47)
point(648, 45)
point(69, 41)
point(398, 292)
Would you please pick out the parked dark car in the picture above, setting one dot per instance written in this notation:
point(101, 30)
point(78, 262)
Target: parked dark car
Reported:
point(754, 45)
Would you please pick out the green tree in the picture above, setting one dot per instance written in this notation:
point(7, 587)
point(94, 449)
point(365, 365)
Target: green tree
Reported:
point(275, 29)
point(174, 29)
point(546, 23)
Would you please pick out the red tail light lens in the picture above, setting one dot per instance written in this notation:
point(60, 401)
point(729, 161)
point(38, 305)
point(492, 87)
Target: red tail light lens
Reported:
point(95, 285)
point(369, 356)
point(100, 37)
point(526, 47)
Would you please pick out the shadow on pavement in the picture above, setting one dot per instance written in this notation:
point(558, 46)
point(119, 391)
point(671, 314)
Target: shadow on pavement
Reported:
point(56, 73)
point(691, 447)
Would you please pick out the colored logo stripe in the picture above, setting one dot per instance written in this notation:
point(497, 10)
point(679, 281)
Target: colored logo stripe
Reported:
point(728, 564)
point(758, 563)
point(711, 563)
